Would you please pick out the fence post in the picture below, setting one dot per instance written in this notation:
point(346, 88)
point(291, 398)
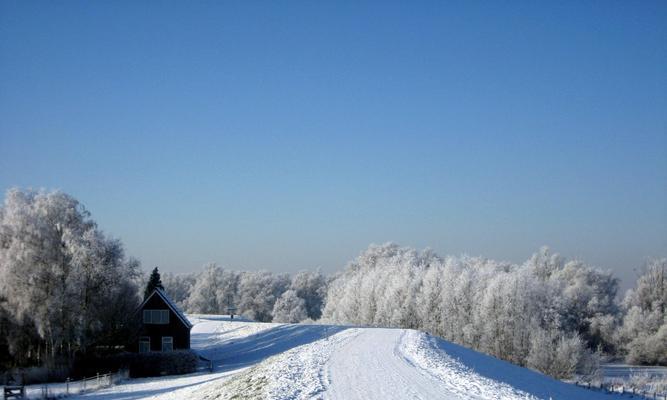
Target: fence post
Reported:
point(84, 383)
point(98, 379)
point(67, 386)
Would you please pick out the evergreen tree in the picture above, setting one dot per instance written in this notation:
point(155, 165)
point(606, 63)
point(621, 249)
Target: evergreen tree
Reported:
point(154, 282)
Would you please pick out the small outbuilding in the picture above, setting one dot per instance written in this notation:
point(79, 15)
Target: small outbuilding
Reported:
point(164, 327)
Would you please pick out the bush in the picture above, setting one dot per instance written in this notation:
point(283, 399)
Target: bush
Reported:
point(157, 364)
point(141, 364)
point(643, 381)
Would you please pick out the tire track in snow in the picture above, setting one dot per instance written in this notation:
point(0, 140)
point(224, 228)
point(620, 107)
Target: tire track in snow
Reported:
point(293, 374)
point(372, 365)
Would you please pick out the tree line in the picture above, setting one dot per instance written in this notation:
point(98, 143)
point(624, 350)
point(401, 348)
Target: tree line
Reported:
point(259, 295)
point(552, 315)
point(555, 316)
point(67, 289)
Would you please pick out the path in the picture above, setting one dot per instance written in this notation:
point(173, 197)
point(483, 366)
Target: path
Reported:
point(372, 364)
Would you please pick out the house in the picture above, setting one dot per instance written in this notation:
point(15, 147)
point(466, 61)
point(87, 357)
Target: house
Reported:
point(163, 326)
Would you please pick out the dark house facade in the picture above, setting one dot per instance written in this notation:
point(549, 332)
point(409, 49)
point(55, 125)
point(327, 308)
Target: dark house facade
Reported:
point(163, 326)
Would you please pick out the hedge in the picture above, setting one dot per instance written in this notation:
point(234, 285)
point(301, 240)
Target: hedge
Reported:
point(141, 364)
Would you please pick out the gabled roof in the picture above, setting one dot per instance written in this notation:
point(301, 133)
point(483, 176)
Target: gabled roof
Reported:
point(170, 304)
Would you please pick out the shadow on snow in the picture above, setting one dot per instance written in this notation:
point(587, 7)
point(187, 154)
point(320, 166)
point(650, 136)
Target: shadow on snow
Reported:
point(243, 352)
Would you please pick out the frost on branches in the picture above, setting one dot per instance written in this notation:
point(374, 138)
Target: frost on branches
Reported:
point(645, 322)
point(542, 314)
point(64, 285)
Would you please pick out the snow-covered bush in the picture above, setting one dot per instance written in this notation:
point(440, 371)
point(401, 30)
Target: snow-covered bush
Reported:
point(644, 330)
point(555, 354)
point(643, 381)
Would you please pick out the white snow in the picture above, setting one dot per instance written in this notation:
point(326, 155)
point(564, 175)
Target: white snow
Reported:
point(163, 388)
point(295, 374)
point(473, 375)
point(211, 333)
point(294, 361)
point(373, 364)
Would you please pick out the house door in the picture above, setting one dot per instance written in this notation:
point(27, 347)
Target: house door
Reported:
point(167, 343)
point(144, 344)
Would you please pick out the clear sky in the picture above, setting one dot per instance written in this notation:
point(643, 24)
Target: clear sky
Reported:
point(290, 135)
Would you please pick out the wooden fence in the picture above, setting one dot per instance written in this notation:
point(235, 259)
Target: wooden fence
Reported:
point(58, 390)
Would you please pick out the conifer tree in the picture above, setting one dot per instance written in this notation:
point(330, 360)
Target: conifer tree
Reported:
point(154, 282)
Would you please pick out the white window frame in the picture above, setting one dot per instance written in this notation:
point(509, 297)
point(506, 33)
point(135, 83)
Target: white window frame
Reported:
point(170, 340)
point(143, 341)
point(156, 317)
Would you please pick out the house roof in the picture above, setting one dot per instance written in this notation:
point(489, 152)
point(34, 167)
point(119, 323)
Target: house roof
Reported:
point(170, 304)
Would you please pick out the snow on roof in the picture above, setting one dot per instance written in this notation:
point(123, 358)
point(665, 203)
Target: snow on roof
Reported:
point(171, 305)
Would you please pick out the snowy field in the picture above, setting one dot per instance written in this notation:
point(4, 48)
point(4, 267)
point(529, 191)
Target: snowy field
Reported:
point(292, 361)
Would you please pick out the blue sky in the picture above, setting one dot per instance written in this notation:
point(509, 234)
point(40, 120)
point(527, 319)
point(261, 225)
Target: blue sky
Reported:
point(290, 136)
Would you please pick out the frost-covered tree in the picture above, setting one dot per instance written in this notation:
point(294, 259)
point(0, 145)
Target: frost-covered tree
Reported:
point(312, 288)
point(228, 291)
point(258, 292)
point(503, 309)
point(644, 330)
point(588, 295)
point(289, 308)
point(203, 297)
point(253, 294)
point(62, 278)
point(178, 287)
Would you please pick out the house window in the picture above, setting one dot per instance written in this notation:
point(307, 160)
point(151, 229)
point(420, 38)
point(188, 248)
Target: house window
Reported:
point(167, 343)
point(156, 317)
point(144, 344)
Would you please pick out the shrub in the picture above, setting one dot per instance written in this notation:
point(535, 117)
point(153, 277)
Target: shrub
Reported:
point(643, 381)
point(157, 363)
point(140, 364)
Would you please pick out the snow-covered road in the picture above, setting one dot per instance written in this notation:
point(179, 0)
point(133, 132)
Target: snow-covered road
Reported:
point(373, 363)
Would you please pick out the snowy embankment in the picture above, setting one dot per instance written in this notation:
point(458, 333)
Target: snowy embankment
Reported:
point(473, 375)
point(372, 363)
point(292, 361)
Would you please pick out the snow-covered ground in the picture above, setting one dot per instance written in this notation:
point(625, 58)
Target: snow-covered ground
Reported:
point(292, 361)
